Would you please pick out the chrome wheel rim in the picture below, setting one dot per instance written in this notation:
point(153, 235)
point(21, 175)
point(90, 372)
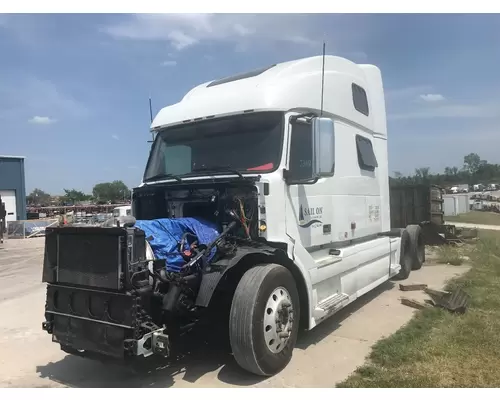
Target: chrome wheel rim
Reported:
point(278, 320)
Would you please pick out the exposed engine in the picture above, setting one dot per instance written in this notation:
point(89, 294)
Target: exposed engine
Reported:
point(126, 290)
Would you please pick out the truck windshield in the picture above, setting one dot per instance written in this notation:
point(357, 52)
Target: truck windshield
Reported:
point(243, 143)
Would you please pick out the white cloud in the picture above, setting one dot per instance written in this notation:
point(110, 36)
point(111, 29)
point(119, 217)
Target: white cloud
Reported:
point(406, 92)
point(169, 63)
point(243, 31)
point(450, 111)
point(180, 40)
point(432, 98)
point(414, 102)
point(22, 96)
point(116, 137)
point(185, 30)
point(37, 120)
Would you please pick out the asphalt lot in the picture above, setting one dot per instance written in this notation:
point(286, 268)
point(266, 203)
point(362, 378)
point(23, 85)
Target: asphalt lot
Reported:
point(323, 357)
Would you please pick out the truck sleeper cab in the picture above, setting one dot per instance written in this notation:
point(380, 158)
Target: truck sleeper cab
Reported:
point(260, 198)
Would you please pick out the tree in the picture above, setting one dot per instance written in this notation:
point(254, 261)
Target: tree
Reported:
point(114, 192)
point(38, 198)
point(475, 170)
point(73, 196)
point(422, 174)
point(398, 175)
point(472, 162)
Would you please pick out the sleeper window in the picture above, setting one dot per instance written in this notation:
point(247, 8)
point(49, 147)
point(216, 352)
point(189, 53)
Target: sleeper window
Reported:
point(360, 99)
point(366, 155)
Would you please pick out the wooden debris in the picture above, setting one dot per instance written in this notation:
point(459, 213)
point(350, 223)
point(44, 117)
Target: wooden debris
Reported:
point(434, 292)
point(456, 301)
point(414, 303)
point(415, 286)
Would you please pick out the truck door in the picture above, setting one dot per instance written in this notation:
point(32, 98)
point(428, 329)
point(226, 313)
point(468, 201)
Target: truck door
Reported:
point(309, 215)
point(309, 205)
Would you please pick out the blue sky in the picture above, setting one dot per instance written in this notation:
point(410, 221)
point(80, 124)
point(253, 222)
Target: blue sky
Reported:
point(74, 88)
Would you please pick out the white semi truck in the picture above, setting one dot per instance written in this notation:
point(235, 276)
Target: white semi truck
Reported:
point(264, 209)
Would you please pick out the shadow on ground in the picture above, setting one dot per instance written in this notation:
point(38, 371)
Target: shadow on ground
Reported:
point(199, 355)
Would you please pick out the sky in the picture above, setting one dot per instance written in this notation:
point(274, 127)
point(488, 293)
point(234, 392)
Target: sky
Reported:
point(74, 88)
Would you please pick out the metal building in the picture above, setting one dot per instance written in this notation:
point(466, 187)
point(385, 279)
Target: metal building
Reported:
point(455, 204)
point(12, 187)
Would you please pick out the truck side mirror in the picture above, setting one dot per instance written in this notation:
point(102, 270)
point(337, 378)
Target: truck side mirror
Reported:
point(323, 131)
point(312, 152)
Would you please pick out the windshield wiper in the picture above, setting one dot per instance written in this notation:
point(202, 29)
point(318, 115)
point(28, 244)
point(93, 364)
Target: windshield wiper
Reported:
point(218, 168)
point(160, 176)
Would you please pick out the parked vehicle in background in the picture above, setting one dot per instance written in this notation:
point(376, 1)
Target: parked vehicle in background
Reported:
point(122, 211)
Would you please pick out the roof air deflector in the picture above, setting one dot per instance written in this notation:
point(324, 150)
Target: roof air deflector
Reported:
point(240, 76)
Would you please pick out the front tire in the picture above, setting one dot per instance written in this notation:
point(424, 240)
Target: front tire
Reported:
point(264, 319)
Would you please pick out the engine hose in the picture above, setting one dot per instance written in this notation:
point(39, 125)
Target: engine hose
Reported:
point(135, 274)
point(159, 276)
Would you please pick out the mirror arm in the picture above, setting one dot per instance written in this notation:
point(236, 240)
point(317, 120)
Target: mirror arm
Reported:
point(293, 119)
point(298, 181)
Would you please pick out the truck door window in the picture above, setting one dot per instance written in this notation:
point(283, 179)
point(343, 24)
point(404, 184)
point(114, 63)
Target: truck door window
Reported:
point(366, 156)
point(300, 165)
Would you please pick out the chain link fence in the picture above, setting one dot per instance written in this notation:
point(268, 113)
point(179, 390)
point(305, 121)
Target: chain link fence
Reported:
point(28, 229)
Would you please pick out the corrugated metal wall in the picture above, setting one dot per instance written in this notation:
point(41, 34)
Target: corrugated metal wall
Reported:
point(12, 178)
point(413, 204)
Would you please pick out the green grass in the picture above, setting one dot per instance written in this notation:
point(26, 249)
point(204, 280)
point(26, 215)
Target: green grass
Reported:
point(439, 349)
point(476, 217)
point(450, 255)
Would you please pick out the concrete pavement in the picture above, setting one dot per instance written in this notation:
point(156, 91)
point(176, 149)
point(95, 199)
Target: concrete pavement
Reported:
point(475, 226)
point(323, 357)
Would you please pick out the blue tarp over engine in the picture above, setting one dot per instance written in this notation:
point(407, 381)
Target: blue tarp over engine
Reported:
point(165, 234)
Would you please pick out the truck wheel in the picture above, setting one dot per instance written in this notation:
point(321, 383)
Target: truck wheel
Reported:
point(406, 256)
point(264, 319)
point(418, 246)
